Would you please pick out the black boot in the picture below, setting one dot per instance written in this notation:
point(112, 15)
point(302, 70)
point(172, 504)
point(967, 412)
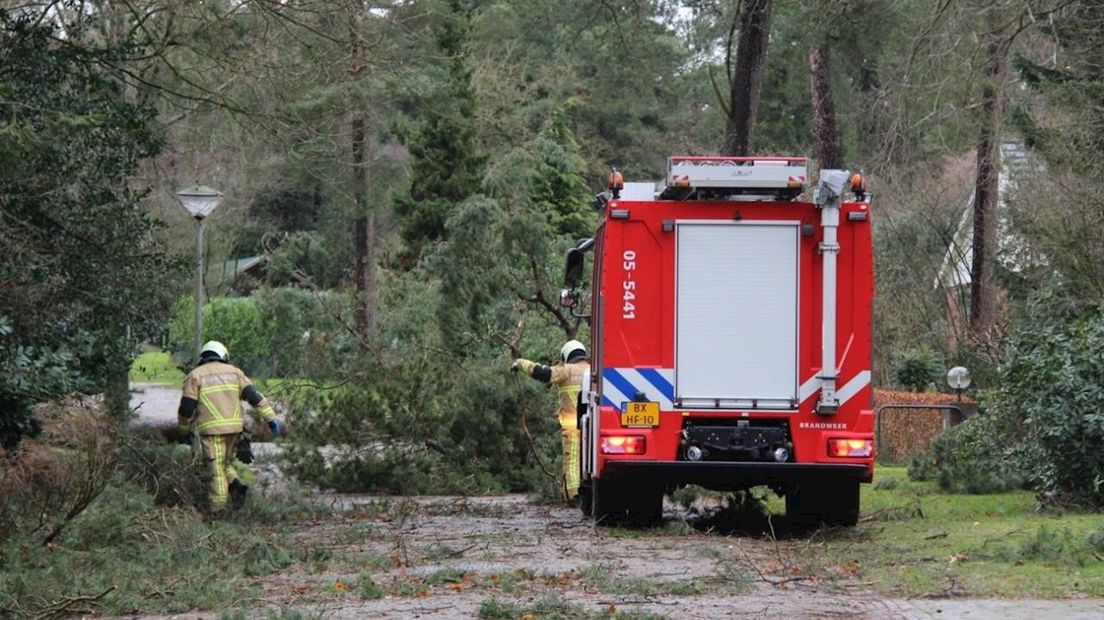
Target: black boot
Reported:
point(238, 489)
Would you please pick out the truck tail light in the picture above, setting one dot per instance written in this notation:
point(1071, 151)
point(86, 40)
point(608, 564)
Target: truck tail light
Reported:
point(853, 448)
point(623, 444)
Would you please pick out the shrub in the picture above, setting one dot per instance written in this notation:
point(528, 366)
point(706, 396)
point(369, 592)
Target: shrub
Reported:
point(1044, 424)
point(922, 466)
point(1095, 539)
point(49, 483)
point(236, 322)
point(29, 375)
point(306, 337)
point(1052, 390)
point(166, 471)
point(278, 332)
point(917, 369)
point(972, 457)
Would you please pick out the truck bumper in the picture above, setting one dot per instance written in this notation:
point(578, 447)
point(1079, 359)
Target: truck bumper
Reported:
point(733, 476)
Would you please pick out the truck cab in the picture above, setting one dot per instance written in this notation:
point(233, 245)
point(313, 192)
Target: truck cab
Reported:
point(730, 340)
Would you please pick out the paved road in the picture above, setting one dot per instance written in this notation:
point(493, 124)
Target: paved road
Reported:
point(990, 609)
point(155, 404)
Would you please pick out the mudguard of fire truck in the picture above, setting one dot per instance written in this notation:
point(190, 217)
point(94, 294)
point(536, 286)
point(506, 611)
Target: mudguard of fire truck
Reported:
point(731, 340)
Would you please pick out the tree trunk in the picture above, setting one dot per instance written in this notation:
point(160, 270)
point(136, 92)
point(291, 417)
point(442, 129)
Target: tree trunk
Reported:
point(117, 390)
point(746, 78)
point(872, 119)
point(983, 292)
point(824, 110)
point(362, 228)
point(364, 275)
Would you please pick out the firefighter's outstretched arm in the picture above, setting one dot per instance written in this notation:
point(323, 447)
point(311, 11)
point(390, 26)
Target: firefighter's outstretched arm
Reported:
point(263, 408)
point(537, 371)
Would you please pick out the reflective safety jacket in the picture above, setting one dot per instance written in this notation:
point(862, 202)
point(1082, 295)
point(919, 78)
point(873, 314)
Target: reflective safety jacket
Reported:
point(568, 378)
point(212, 396)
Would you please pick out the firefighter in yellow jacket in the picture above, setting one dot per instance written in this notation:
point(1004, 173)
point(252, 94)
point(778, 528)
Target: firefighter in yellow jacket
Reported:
point(567, 376)
point(210, 405)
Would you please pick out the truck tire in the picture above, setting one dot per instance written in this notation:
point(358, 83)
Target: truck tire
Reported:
point(843, 510)
point(626, 502)
point(833, 503)
point(586, 499)
point(605, 507)
point(646, 509)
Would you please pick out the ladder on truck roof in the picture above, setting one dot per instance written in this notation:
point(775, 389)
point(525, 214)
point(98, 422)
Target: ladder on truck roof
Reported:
point(770, 178)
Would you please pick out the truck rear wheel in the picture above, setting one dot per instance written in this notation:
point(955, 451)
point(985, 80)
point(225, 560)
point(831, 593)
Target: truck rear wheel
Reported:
point(834, 503)
point(586, 499)
point(626, 502)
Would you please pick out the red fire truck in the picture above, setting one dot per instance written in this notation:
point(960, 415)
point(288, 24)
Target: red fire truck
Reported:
point(730, 339)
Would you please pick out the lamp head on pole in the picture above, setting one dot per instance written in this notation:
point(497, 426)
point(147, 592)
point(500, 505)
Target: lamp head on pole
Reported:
point(958, 378)
point(199, 200)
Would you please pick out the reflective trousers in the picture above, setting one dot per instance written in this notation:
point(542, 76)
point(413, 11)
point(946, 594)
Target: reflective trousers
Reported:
point(218, 451)
point(569, 431)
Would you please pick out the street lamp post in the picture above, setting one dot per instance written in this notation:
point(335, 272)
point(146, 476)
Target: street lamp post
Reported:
point(199, 201)
point(959, 379)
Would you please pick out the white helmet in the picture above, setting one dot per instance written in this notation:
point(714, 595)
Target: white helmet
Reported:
point(568, 351)
point(214, 348)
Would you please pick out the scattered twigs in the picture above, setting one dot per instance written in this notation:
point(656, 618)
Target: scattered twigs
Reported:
point(460, 552)
point(532, 444)
point(533, 447)
point(771, 580)
point(774, 539)
point(648, 600)
point(65, 607)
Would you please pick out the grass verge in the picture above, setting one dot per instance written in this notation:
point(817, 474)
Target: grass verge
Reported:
point(156, 367)
point(916, 541)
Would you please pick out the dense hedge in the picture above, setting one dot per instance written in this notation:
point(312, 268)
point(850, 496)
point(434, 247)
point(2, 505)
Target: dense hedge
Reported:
point(1052, 401)
point(1044, 425)
point(278, 332)
point(905, 433)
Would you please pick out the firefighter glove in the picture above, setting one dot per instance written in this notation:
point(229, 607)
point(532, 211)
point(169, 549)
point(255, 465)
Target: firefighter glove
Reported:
point(274, 426)
point(244, 452)
point(184, 436)
point(514, 366)
point(524, 366)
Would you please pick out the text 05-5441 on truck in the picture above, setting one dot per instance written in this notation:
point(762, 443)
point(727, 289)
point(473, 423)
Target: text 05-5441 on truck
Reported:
point(730, 339)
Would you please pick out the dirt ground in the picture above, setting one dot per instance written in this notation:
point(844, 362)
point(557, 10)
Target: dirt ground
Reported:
point(456, 557)
point(459, 557)
point(450, 556)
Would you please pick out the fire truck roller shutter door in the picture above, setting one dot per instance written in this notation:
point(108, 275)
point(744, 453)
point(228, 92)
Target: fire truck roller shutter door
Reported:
point(737, 313)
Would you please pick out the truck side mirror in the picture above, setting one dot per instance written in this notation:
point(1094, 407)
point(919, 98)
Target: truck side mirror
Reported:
point(569, 298)
point(573, 270)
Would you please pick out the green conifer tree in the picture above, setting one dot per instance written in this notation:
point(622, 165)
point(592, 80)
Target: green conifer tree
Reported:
point(447, 157)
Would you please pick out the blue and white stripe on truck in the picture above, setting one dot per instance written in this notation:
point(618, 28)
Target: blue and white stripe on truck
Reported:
point(621, 385)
